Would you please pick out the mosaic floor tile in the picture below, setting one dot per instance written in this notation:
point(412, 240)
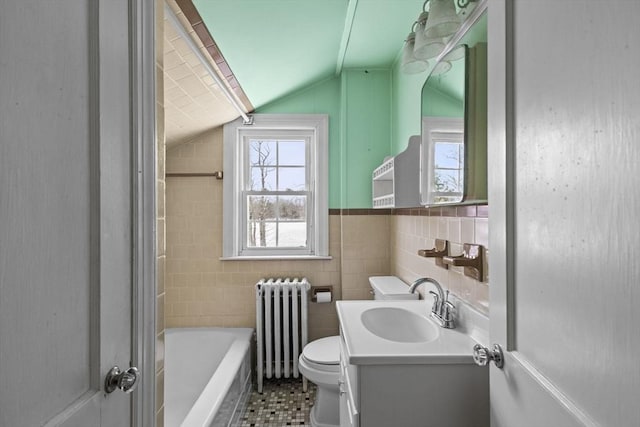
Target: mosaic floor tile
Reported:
point(282, 403)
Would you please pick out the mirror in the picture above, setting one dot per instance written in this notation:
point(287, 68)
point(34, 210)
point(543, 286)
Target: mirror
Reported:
point(454, 124)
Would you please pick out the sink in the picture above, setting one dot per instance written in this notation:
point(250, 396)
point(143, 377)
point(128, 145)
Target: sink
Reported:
point(398, 324)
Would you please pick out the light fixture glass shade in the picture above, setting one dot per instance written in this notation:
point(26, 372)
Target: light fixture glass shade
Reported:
point(426, 48)
point(443, 20)
point(410, 64)
point(455, 53)
point(441, 68)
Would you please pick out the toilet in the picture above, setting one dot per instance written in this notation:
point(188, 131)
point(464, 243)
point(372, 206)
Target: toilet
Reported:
point(320, 359)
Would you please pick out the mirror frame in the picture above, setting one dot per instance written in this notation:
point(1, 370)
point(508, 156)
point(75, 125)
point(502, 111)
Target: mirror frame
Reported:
point(427, 146)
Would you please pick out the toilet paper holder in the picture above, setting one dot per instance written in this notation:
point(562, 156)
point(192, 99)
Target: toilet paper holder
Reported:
point(316, 289)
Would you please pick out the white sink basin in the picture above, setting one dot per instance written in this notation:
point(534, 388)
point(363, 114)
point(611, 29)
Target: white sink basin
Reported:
point(399, 333)
point(398, 324)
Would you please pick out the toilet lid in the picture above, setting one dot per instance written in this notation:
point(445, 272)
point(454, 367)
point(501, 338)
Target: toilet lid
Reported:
point(324, 351)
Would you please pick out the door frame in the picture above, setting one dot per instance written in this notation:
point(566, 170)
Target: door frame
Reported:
point(142, 21)
point(501, 169)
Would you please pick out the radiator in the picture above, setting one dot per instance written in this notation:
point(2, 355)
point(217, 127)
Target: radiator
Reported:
point(281, 327)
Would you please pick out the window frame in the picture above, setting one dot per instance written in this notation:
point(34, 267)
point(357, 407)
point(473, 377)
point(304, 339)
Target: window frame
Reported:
point(313, 127)
point(448, 137)
point(445, 129)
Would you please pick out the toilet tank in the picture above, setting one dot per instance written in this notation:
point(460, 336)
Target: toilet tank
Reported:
point(390, 288)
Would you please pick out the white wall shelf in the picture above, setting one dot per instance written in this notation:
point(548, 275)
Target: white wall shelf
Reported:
point(396, 182)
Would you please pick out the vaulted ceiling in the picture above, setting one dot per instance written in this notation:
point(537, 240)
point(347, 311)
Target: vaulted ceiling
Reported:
point(273, 48)
point(277, 46)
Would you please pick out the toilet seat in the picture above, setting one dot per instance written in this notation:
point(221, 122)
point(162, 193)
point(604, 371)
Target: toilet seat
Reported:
point(324, 351)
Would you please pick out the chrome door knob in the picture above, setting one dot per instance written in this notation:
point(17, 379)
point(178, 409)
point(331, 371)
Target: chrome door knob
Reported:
point(482, 355)
point(126, 381)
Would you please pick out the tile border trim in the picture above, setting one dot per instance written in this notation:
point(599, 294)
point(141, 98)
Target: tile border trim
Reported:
point(467, 211)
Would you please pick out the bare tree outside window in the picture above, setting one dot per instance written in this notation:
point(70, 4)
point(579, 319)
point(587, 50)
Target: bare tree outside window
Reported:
point(260, 207)
point(448, 171)
point(277, 209)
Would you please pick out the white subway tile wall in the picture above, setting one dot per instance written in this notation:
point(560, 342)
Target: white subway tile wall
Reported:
point(411, 233)
point(201, 290)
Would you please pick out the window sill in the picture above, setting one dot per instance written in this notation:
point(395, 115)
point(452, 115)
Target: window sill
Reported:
point(278, 258)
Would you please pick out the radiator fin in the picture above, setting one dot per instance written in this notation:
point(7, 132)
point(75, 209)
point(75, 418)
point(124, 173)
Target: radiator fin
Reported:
point(281, 326)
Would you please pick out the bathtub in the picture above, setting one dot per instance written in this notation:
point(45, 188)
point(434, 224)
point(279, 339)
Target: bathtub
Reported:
point(207, 375)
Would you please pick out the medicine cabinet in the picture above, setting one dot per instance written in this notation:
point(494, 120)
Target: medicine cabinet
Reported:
point(454, 123)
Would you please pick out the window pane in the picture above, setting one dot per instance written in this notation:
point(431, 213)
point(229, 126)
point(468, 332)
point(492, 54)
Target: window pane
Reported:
point(292, 234)
point(261, 234)
point(262, 152)
point(263, 178)
point(291, 179)
point(448, 155)
point(262, 208)
point(292, 207)
point(292, 153)
point(448, 181)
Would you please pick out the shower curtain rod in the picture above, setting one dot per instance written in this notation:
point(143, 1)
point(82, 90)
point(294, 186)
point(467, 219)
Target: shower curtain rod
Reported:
point(216, 174)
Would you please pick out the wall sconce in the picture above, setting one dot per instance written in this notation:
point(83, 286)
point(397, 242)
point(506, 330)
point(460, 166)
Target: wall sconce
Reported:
point(443, 20)
point(430, 33)
point(425, 47)
point(410, 64)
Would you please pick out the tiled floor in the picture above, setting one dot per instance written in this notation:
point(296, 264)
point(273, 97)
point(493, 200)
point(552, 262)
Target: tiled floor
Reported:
point(282, 403)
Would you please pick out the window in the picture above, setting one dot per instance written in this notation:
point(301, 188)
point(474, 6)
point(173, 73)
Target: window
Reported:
point(275, 194)
point(448, 167)
point(443, 160)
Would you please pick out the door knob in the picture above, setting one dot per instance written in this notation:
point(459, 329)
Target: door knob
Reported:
point(126, 381)
point(482, 355)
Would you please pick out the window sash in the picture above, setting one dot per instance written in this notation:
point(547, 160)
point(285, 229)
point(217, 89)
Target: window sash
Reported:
point(284, 136)
point(245, 249)
point(277, 136)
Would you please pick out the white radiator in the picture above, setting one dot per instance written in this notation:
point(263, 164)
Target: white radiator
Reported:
point(281, 327)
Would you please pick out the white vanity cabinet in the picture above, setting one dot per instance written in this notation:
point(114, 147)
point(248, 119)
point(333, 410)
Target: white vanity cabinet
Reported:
point(349, 415)
point(407, 383)
point(396, 182)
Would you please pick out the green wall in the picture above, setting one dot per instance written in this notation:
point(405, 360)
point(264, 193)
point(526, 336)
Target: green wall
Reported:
point(359, 108)
point(320, 98)
point(405, 107)
point(441, 104)
point(372, 114)
point(366, 109)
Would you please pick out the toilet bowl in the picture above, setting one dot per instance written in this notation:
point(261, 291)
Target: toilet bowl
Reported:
point(320, 364)
point(320, 359)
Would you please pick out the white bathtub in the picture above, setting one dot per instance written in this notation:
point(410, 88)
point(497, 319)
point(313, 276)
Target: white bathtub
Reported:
point(207, 374)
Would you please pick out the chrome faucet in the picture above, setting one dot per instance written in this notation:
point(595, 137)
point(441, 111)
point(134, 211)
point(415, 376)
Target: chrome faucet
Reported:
point(442, 309)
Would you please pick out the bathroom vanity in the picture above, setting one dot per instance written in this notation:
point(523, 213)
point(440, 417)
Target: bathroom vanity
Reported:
point(398, 368)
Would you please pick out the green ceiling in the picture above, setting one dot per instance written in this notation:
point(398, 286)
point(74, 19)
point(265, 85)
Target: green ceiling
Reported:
point(275, 47)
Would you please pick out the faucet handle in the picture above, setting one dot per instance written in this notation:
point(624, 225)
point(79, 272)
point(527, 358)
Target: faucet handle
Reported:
point(436, 302)
point(448, 308)
point(448, 315)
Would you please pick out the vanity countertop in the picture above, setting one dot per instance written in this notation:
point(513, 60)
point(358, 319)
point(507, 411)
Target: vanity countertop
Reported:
point(451, 346)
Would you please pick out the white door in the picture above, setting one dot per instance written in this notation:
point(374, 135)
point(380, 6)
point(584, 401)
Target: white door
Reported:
point(564, 135)
point(65, 212)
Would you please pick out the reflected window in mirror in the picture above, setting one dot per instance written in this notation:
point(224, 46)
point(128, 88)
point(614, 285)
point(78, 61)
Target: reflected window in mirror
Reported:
point(444, 141)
